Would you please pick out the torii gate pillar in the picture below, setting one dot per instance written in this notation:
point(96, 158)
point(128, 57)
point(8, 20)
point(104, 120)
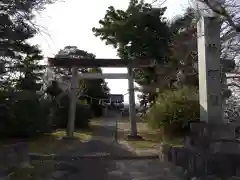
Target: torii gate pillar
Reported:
point(132, 106)
point(72, 102)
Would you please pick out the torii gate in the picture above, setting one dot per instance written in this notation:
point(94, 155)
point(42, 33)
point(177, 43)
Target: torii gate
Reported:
point(75, 63)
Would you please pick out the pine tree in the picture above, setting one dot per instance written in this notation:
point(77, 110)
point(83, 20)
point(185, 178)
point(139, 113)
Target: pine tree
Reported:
point(20, 58)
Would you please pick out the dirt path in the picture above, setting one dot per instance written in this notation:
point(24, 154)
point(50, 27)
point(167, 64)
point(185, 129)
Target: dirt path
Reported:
point(102, 143)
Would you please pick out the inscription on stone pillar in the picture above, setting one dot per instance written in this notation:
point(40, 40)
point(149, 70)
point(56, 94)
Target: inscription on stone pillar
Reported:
point(212, 47)
point(213, 74)
point(214, 100)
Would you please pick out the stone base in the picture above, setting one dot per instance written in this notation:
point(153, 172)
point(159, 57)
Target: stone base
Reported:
point(134, 138)
point(225, 147)
point(210, 149)
point(213, 131)
point(214, 138)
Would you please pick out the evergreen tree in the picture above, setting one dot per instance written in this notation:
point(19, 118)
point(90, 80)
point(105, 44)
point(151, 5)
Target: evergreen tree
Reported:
point(95, 88)
point(139, 32)
point(20, 58)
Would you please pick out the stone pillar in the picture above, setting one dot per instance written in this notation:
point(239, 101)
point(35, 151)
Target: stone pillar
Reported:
point(132, 106)
point(210, 81)
point(210, 85)
point(73, 101)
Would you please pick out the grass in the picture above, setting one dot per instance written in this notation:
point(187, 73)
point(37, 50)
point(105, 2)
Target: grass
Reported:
point(151, 138)
point(95, 122)
point(39, 171)
point(53, 144)
point(49, 143)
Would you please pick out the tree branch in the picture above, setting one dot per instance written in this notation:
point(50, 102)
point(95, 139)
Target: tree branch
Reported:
point(221, 10)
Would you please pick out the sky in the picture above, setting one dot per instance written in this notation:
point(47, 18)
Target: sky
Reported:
point(71, 23)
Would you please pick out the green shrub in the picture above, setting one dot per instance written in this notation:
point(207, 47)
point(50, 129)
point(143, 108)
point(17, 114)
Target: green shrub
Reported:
point(173, 110)
point(24, 118)
point(97, 109)
point(83, 114)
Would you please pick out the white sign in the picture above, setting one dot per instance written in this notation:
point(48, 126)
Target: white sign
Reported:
point(102, 76)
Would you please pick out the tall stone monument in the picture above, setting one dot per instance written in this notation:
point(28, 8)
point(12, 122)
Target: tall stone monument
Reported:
point(211, 72)
point(209, 67)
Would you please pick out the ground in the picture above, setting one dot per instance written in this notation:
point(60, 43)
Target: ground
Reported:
point(151, 139)
point(101, 158)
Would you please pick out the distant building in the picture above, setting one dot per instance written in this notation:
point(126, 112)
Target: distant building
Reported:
point(116, 98)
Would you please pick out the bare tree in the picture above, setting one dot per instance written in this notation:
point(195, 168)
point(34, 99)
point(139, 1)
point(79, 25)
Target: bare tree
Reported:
point(227, 9)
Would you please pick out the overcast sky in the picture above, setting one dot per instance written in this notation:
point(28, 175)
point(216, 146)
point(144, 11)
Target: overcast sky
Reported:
point(71, 22)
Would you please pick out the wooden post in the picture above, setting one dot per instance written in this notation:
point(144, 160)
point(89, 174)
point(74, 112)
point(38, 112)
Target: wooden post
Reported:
point(73, 101)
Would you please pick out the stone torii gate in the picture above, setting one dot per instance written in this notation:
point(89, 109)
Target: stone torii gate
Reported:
point(75, 63)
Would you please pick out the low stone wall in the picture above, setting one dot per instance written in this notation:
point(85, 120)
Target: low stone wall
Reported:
point(204, 156)
point(13, 156)
point(202, 164)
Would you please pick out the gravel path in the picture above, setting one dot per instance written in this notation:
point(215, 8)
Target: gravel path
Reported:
point(109, 169)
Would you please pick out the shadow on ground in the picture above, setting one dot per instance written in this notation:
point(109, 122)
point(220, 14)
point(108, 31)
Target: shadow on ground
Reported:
point(98, 159)
point(99, 151)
